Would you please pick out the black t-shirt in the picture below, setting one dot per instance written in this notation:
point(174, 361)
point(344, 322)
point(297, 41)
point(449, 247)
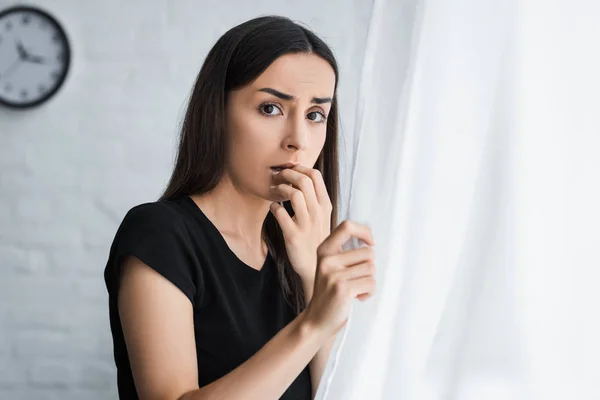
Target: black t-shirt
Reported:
point(237, 309)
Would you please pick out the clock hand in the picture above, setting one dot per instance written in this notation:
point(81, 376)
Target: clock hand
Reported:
point(25, 56)
point(21, 50)
point(11, 69)
point(35, 59)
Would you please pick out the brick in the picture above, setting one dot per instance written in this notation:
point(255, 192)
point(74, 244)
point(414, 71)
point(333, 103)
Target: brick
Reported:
point(150, 38)
point(90, 394)
point(79, 261)
point(97, 375)
point(60, 315)
point(53, 374)
point(22, 260)
point(41, 344)
point(48, 316)
point(91, 289)
point(28, 393)
point(37, 209)
point(12, 374)
point(40, 234)
point(65, 314)
point(55, 176)
point(53, 344)
point(13, 155)
point(21, 290)
point(5, 344)
point(6, 212)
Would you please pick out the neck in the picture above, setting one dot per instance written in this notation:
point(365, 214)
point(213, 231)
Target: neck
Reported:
point(236, 214)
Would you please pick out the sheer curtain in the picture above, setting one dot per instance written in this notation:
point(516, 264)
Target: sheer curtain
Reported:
point(476, 164)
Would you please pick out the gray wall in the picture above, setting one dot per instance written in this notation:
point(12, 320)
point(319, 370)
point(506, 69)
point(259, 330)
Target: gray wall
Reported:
point(71, 169)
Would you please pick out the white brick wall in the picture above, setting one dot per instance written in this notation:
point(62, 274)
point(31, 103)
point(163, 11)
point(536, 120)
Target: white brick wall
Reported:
point(70, 169)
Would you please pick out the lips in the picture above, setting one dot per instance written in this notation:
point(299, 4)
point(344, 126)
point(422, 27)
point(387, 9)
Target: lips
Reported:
point(284, 166)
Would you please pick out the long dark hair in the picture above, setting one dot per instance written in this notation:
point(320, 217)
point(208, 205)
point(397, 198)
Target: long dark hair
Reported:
point(236, 59)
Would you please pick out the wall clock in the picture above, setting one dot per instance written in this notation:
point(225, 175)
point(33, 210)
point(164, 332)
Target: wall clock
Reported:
point(34, 57)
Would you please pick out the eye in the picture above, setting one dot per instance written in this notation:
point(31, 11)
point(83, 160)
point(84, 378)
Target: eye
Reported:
point(317, 117)
point(269, 109)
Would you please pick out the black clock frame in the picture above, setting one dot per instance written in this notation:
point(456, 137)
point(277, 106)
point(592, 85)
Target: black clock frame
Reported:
point(67, 56)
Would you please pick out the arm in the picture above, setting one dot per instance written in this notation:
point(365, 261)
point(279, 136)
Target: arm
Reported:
point(319, 362)
point(159, 334)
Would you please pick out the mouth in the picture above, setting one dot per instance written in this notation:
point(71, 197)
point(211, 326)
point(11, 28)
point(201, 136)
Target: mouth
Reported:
point(283, 166)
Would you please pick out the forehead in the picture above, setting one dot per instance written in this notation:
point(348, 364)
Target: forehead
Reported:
point(302, 75)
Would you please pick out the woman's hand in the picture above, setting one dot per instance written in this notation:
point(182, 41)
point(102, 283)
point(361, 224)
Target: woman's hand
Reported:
point(311, 223)
point(341, 277)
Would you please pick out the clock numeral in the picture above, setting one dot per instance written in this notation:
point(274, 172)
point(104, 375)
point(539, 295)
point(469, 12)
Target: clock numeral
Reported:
point(56, 38)
point(25, 20)
point(41, 89)
point(55, 75)
point(8, 26)
point(24, 93)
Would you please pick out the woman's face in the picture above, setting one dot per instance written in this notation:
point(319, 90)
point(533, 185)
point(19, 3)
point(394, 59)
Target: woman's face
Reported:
point(281, 117)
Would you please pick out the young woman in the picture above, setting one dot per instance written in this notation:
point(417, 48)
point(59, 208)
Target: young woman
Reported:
point(233, 285)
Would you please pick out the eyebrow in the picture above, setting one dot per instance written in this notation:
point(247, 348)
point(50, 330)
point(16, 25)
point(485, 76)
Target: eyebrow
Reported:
point(315, 100)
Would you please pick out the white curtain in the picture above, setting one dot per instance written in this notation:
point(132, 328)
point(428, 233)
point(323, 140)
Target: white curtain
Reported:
point(476, 163)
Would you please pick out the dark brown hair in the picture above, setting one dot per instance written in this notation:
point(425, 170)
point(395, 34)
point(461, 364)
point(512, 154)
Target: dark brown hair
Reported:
point(238, 58)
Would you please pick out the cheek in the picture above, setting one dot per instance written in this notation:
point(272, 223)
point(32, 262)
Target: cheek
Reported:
point(249, 143)
point(317, 145)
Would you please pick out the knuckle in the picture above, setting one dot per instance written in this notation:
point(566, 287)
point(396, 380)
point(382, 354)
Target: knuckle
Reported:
point(372, 281)
point(305, 180)
point(339, 288)
point(346, 225)
point(331, 261)
point(324, 248)
point(321, 252)
point(315, 174)
point(296, 194)
point(329, 279)
point(294, 239)
point(371, 268)
point(325, 262)
point(277, 210)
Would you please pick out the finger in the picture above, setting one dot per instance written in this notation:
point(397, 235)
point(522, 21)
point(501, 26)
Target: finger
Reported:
point(353, 257)
point(297, 199)
point(320, 190)
point(283, 218)
point(361, 270)
point(301, 214)
point(299, 178)
point(341, 234)
point(362, 286)
point(363, 297)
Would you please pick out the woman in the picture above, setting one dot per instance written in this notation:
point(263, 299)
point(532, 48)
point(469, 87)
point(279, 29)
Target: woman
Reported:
point(209, 286)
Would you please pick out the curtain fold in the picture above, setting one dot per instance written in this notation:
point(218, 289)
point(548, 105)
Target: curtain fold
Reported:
point(440, 150)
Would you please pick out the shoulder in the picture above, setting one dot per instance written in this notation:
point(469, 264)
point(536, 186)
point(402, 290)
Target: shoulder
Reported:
point(158, 216)
point(153, 213)
point(158, 226)
point(156, 233)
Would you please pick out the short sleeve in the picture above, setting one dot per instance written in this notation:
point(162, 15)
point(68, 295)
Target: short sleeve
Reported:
point(155, 233)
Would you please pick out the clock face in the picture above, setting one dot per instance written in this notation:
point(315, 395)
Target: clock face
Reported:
point(34, 57)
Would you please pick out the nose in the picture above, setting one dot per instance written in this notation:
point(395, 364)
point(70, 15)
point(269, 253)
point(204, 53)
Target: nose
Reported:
point(297, 137)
